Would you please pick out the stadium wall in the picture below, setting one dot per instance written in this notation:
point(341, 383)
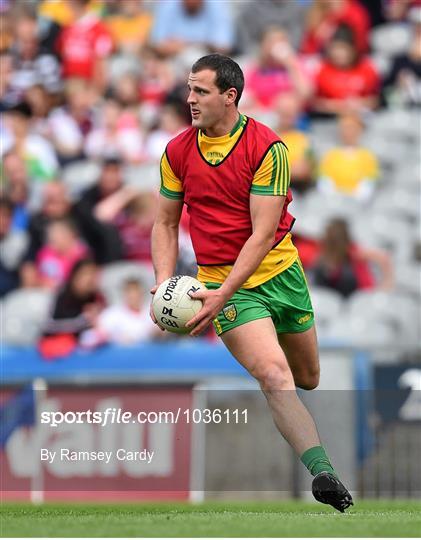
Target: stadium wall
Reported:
point(216, 459)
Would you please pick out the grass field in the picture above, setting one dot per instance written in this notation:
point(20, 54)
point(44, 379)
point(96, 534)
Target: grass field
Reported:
point(270, 519)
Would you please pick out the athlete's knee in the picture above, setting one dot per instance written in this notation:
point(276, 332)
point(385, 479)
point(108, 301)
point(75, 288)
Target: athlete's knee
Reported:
point(273, 376)
point(309, 379)
point(306, 369)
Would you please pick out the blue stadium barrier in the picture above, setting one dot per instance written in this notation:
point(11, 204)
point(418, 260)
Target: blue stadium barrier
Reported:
point(164, 362)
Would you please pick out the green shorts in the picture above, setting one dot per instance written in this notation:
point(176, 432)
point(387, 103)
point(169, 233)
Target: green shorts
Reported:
point(284, 298)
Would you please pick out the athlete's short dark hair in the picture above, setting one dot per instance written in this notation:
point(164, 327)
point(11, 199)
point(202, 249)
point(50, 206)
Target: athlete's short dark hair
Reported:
point(228, 72)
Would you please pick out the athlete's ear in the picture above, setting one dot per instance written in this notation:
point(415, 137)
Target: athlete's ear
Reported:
point(231, 96)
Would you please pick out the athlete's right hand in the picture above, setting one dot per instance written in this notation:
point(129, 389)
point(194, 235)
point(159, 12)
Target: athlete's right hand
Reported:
point(151, 313)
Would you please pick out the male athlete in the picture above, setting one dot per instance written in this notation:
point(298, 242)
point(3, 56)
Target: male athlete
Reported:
point(233, 174)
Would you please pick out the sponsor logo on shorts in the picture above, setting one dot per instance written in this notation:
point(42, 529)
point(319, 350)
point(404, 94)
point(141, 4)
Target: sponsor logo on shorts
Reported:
point(304, 319)
point(218, 326)
point(230, 312)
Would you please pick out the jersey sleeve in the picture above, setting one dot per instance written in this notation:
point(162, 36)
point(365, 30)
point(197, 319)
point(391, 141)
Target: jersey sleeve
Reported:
point(273, 176)
point(171, 186)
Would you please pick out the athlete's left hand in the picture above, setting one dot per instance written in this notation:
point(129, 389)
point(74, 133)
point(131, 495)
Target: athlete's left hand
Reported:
point(213, 302)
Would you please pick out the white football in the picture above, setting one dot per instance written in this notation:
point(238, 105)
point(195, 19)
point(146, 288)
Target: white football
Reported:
point(172, 304)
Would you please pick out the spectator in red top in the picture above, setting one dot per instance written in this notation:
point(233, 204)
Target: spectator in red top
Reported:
point(346, 267)
point(346, 82)
point(84, 45)
point(325, 16)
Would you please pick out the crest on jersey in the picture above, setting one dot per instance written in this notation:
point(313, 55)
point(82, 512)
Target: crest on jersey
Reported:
point(230, 312)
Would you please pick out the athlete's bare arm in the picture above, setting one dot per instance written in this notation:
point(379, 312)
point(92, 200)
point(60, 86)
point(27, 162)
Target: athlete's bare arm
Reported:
point(265, 214)
point(165, 240)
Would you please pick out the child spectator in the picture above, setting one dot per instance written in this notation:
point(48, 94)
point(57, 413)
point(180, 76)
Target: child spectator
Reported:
point(300, 152)
point(62, 249)
point(130, 26)
point(38, 154)
point(278, 70)
point(118, 133)
point(128, 323)
point(349, 168)
point(76, 308)
point(346, 81)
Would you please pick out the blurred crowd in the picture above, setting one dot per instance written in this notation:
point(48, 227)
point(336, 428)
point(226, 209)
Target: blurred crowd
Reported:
point(91, 91)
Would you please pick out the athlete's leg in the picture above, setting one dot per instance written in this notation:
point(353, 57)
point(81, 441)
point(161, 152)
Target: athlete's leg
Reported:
point(256, 347)
point(302, 354)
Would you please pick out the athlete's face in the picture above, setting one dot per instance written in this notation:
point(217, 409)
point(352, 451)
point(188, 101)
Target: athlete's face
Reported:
point(208, 105)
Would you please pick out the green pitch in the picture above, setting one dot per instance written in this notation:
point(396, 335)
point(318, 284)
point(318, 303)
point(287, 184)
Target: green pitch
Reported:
point(270, 519)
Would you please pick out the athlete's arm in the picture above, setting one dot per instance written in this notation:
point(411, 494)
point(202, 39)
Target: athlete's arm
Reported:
point(165, 230)
point(165, 240)
point(265, 216)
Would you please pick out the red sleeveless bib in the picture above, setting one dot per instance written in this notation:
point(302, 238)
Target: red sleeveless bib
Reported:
point(218, 196)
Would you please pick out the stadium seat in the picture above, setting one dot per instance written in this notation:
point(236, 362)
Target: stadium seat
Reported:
point(24, 314)
point(399, 125)
point(323, 136)
point(327, 305)
point(396, 310)
point(382, 62)
point(371, 303)
point(120, 64)
point(408, 279)
point(79, 176)
point(389, 235)
point(399, 201)
point(352, 331)
point(144, 177)
point(362, 233)
point(268, 118)
point(114, 275)
point(390, 39)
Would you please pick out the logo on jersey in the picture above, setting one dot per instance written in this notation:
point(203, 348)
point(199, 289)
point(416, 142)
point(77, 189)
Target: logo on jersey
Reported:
point(304, 319)
point(230, 312)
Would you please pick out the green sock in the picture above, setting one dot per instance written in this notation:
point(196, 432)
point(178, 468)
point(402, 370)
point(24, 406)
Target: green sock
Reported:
point(316, 461)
